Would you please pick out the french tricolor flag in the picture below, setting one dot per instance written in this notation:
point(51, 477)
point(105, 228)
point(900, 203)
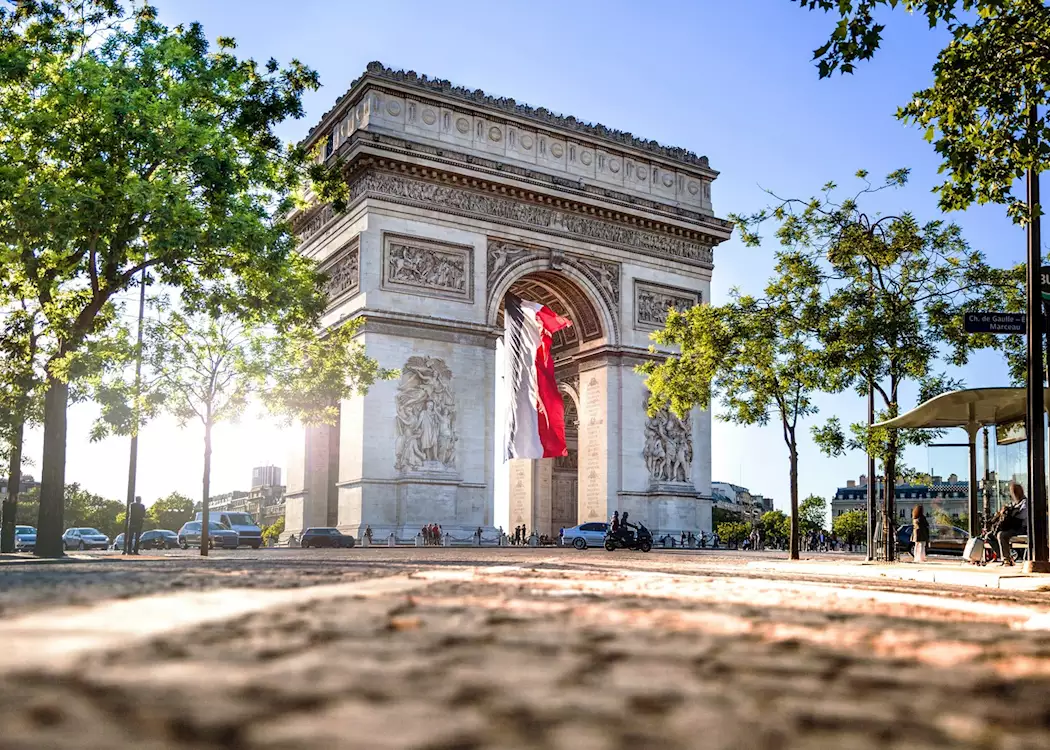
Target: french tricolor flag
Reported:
point(535, 413)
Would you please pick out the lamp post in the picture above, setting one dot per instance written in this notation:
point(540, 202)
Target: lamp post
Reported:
point(1037, 509)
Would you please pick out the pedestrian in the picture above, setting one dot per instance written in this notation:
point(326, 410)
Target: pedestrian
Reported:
point(138, 515)
point(1015, 522)
point(920, 533)
point(368, 533)
point(561, 536)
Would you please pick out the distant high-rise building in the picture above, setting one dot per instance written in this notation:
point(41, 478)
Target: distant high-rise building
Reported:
point(266, 476)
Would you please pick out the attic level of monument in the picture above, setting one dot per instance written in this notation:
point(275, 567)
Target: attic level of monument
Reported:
point(375, 70)
point(518, 139)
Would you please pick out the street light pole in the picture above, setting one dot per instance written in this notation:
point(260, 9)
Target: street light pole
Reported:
point(1037, 509)
point(133, 461)
point(871, 477)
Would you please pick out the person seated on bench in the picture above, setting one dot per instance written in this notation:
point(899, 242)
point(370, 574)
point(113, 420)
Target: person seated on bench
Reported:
point(1016, 522)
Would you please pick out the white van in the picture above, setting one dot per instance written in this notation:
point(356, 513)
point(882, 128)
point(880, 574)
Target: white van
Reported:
point(247, 529)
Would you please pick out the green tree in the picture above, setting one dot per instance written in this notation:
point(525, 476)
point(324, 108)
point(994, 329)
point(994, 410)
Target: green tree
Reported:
point(812, 514)
point(776, 527)
point(898, 291)
point(732, 532)
point(207, 369)
point(128, 146)
point(759, 355)
point(19, 403)
point(170, 512)
point(851, 526)
point(273, 532)
point(982, 110)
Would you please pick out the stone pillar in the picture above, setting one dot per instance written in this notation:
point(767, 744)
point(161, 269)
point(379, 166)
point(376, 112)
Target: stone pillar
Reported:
point(600, 442)
point(311, 497)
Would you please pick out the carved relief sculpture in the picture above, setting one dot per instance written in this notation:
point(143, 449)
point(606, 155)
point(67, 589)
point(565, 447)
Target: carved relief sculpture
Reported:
point(502, 255)
point(651, 304)
point(343, 272)
point(428, 267)
point(426, 417)
point(668, 448)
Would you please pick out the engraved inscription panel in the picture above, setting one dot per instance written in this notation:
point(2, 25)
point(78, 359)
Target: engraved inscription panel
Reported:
point(428, 267)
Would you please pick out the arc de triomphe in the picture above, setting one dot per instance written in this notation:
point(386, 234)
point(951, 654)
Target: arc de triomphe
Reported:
point(458, 198)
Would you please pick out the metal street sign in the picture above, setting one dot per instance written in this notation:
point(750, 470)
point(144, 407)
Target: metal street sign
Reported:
point(1044, 282)
point(988, 322)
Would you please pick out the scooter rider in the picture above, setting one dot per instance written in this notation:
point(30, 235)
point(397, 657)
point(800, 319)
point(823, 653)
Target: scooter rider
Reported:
point(625, 528)
point(614, 527)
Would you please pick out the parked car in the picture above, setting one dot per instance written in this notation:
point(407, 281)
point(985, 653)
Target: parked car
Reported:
point(118, 543)
point(249, 531)
point(158, 539)
point(325, 537)
point(84, 538)
point(586, 535)
point(944, 540)
point(218, 535)
point(25, 539)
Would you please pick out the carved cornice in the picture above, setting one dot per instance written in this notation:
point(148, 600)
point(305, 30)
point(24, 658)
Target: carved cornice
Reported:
point(517, 208)
point(377, 70)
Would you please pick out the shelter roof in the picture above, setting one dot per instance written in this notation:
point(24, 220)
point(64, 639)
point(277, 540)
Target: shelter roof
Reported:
point(983, 406)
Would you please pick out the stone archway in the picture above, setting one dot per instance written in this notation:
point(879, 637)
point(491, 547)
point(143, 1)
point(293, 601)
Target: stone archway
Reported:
point(544, 493)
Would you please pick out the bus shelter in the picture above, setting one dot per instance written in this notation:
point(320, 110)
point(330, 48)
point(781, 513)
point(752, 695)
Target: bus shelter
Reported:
point(971, 409)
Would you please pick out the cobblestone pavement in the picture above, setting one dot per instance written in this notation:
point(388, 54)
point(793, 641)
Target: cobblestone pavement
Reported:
point(539, 649)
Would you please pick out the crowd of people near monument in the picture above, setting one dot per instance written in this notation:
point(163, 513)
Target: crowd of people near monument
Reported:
point(431, 534)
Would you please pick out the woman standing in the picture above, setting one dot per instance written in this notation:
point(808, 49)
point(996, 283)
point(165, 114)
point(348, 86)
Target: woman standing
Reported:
point(920, 533)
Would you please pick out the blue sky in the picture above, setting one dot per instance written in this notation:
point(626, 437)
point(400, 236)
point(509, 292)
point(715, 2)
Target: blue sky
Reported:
point(732, 80)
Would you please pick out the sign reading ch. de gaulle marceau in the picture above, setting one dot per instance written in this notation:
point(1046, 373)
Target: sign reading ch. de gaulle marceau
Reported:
point(991, 322)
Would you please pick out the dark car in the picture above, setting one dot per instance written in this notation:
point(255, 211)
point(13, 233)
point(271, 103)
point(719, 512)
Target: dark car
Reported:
point(325, 537)
point(25, 539)
point(218, 535)
point(158, 539)
point(944, 540)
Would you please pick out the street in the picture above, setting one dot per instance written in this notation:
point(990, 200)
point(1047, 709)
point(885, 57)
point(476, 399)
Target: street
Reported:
point(494, 648)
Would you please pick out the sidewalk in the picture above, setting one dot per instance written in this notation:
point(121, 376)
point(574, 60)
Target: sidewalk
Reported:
point(944, 572)
point(28, 558)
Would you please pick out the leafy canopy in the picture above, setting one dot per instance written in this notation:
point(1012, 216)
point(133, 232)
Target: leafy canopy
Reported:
point(851, 526)
point(811, 512)
point(896, 294)
point(988, 83)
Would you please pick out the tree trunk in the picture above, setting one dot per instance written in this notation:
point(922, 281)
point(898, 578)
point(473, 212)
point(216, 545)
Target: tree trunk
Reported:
point(793, 543)
point(53, 471)
point(207, 485)
point(890, 488)
point(14, 480)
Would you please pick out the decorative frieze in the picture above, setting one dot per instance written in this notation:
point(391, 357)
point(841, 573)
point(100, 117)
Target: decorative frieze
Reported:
point(652, 302)
point(428, 267)
point(343, 270)
point(396, 187)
